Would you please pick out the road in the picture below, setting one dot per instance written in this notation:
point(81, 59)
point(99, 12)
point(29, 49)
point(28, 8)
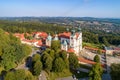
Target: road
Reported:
point(23, 65)
point(42, 76)
point(83, 70)
point(104, 60)
point(66, 78)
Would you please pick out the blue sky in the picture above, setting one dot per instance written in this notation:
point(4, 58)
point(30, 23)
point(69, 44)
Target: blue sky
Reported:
point(75, 8)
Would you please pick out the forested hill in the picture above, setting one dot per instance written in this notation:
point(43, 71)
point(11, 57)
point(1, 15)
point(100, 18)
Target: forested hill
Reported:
point(15, 26)
point(12, 52)
point(90, 34)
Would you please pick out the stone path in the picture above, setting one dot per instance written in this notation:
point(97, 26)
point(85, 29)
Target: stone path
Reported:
point(42, 76)
point(66, 78)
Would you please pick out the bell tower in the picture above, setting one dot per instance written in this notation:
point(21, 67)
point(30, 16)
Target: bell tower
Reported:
point(72, 39)
point(48, 40)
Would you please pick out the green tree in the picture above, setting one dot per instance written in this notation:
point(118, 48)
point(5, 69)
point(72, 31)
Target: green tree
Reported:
point(52, 54)
point(99, 51)
point(10, 76)
point(115, 71)
point(8, 60)
point(66, 63)
point(29, 76)
point(97, 58)
point(12, 52)
point(20, 74)
point(48, 64)
point(36, 58)
point(37, 68)
point(96, 76)
point(27, 49)
point(55, 45)
point(25, 35)
point(106, 43)
point(96, 72)
point(63, 55)
point(59, 65)
point(73, 61)
point(47, 61)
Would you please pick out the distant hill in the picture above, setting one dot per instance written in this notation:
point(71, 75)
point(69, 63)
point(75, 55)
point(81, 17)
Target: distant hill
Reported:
point(62, 19)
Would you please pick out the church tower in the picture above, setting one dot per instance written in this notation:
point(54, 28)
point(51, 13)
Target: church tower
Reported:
point(48, 40)
point(80, 38)
point(64, 45)
point(76, 40)
point(56, 37)
point(79, 41)
point(73, 39)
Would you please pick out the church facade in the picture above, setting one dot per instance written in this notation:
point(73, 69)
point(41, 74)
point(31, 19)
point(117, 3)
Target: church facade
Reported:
point(71, 41)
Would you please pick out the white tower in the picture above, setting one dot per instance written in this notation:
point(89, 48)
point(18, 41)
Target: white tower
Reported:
point(76, 41)
point(64, 45)
point(73, 40)
point(80, 38)
point(48, 40)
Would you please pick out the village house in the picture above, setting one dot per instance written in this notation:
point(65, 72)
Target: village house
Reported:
point(36, 41)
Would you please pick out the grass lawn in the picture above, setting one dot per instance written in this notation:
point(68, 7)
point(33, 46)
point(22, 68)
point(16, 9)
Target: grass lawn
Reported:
point(54, 75)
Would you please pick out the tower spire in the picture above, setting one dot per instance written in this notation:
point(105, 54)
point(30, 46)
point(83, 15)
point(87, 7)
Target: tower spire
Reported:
point(79, 29)
point(67, 29)
point(73, 31)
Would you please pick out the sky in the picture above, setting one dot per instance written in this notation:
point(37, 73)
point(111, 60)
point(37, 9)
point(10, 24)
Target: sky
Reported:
point(63, 8)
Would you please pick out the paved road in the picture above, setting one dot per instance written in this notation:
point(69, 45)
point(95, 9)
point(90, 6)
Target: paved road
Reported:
point(83, 70)
point(23, 65)
point(84, 78)
point(42, 76)
point(106, 77)
point(66, 78)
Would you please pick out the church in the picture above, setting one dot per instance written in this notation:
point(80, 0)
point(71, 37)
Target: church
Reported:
point(71, 41)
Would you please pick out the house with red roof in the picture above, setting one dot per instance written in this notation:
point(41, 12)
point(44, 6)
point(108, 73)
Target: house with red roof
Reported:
point(34, 42)
point(71, 41)
point(20, 36)
point(40, 35)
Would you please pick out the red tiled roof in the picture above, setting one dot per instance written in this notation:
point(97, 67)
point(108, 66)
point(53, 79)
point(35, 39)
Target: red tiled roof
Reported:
point(41, 34)
point(21, 36)
point(67, 34)
point(30, 40)
point(95, 49)
point(39, 43)
point(88, 61)
point(71, 50)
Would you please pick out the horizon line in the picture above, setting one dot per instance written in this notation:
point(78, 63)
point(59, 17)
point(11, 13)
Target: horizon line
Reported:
point(58, 16)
